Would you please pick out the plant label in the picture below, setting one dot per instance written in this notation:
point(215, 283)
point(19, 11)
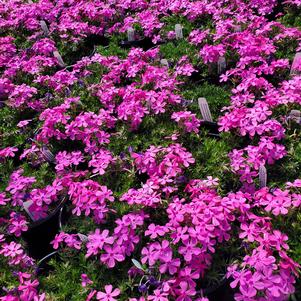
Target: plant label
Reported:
point(221, 65)
point(83, 237)
point(44, 27)
point(179, 31)
point(262, 176)
point(295, 115)
point(296, 65)
point(57, 55)
point(131, 34)
point(204, 108)
point(47, 154)
point(237, 28)
point(26, 206)
point(164, 62)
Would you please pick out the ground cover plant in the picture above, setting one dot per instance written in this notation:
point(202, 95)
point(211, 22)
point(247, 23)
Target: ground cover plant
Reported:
point(116, 181)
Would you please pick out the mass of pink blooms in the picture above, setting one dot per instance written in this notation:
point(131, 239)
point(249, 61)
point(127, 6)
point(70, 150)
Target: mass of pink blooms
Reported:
point(180, 249)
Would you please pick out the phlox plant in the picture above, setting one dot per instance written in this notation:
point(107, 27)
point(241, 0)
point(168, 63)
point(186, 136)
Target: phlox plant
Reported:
point(110, 134)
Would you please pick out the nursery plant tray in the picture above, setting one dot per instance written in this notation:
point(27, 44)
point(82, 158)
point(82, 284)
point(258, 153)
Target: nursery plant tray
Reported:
point(41, 232)
point(212, 128)
point(145, 43)
point(220, 291)
point(95, 39)
point(43, 266)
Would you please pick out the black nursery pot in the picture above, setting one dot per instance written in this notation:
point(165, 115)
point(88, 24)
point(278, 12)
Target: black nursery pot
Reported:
point(18, 153)
point(145, 43)
point(196, 76)
point(212, 128)
point(3, 95)
point(142, 177)
point(43, 266)
point(279, 8)
point(220, 292)
point(40, 233)
point(95, 39)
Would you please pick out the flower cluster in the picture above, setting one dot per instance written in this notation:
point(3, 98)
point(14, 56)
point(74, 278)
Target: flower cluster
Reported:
point(187, 120)
point(89, 197)
point(120, 244)
point(173, 224)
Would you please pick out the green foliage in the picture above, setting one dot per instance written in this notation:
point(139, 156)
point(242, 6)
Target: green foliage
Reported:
point(62, 282)
point(217, 96)
point(7, 279)
point(292, 17)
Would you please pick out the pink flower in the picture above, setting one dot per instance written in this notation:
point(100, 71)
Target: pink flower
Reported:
point(189, 249)
point(170, 265)
point(58, 239)
point(101, 161)
point(97, 241)
point(85, 280)
point(17, 224)
point(187, 120)
point(111, 255)
point(211, 53)
point(155, 230)
point(211, 182)
point(8, 152)
point(11, 250)
point(158, 295)
point(3, 199)
point(109, 294)
point(250, 232)
point(64, 160)
point(91, 295)
point(23, 123)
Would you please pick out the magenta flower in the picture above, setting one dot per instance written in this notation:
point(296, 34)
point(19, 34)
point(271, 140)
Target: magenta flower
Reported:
point(250, 232)
point(109, 294)
point(187, 120)
point(170, 265)
point(17, 224)
point(158, 295)
point(154, 231)
point(85, 280)
point(189, 249)
point(97, 241)
point(23, 123)
point(3, 199)
point(111, 255)
point(58, 239)
point(11, 250)
point(8, 152)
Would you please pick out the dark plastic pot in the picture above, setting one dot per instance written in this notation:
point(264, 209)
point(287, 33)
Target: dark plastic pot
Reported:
point(212, 128)
point(220, 292)
point(18, 153)
point(95, 39)
point(196, 76)
point(40, 233)
point(142, 177)
point(279, 8)
point(3, 94)
point(43, 266)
